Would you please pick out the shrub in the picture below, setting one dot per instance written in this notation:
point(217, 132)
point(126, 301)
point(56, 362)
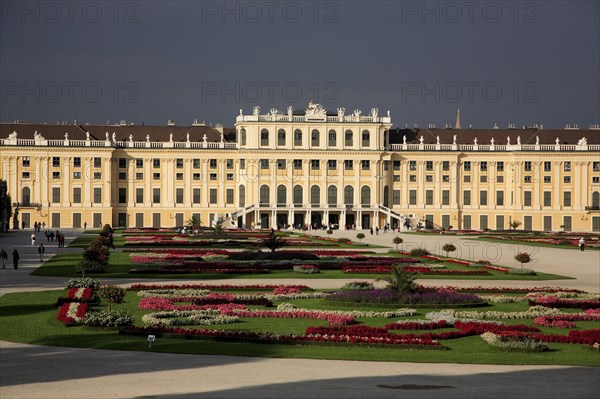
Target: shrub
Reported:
point(448, 248)
point(273, 242)
point(330, 232)
point(82, 283)
point(523, 257)
point(96, 251)
point(358, 285)
point(522, 272)
point(484, 262)
point(419, 252)
point(106, 319)
point(397, 241)
point(88, 266)
point(306, 269)
point(360, 236)
point(111, 294)
point(400, 280)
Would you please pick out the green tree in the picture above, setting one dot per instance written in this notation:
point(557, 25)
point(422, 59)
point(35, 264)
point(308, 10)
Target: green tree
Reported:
point(515, 224)
point(218, 229)
point(111, 294)
point(5, 206)
point(360, 236)
point(448, 248)
point(398, 241)
point(195, 222)
point(273, 242)
point(523, 257)
point(400, 280)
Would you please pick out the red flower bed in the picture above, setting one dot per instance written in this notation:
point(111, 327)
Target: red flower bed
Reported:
point(551, 322)
point(434, 325)
point(588, 337)
point(416, 269)
point(554, 302)
point(504, 289)
point(264, 287)
point(86, 294)
point(80, 309)
point(186, 271)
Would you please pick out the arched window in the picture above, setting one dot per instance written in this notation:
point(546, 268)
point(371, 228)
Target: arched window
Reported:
point(366, 138)
point(332, 195)
point(264, 137)
point(281, 195)
point(281, 137)
point(315, 195)
point(596, 199)
point(298, 192)
point(264, 195)
point(348, 138)
point(332, 138)
point(348, 195)
point(386, 195)
point(243, 137)
point(365, 195)
point(297, 137)
point(26, 197)
point(315, 138)
point(242, 196)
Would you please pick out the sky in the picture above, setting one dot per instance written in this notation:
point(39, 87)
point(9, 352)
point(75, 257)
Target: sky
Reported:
point(500, 62)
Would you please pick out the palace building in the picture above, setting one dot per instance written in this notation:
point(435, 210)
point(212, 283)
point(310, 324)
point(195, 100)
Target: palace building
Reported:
point(303, 167)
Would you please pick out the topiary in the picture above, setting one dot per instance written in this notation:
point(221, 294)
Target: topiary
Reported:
point(419, 252)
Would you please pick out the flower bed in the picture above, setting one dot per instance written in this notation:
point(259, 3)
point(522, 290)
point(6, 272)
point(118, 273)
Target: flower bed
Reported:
point(72, 312)
point(244, 287)
point(386, 296)
point(514, 340)
point(554, 302)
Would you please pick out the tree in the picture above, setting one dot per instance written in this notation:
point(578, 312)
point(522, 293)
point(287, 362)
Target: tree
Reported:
point(523, 257)
point(273, 242)
point(111, 294)
point(515, 224)
point(448, 248)
point(218, 229)
point(5, 206)
point(88, 266)
point(397, 241)
point(330, 232)
point(360, 236)
point(195, 222)
point(400, 280)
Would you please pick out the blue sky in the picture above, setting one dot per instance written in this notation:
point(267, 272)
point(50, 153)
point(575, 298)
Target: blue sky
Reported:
point(521, 62)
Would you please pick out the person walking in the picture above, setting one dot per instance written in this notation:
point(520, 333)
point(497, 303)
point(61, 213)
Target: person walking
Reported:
point(16, 258)
point(582, 244)
point(85, 225)
point(41, 251)
point(3, 258)
point(33, 239)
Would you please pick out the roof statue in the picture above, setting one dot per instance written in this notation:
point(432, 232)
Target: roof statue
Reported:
point(357, 113)
point(290, 110)
point(340, 112)
point(204, 138)
point(241, 112)
point(388, 113)
point(437, 139)
point(87, 136)
point(37, 136)
point(131, 138)
point(315, 110)
point(507, 140)
point(13, 135)
point(475, 141)
point(404, 139)
point(454, 140)
point(274, 111)
point(422, 139)
point(256, 111)
point(187, 136)
point(582, 141)
point(557, 141)
point(107, 138)
point(518, 140)
point(492, 141)
point(537, 140)
point(67, 136)
point(114, 137)
point(374, 112)
point(147, 138)
point(170, 137)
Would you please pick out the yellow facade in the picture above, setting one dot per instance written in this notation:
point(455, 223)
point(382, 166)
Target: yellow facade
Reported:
point(313, 168)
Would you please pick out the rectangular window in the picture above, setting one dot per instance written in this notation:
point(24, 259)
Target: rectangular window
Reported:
point(429, 178)
point(567, 179)
point(26, 175)
point(139, 163)
point(179, 195)
point(297, 164)
point(229, 163)
point(97, 175)
point(139, 220)
point(467, 197)
point(122, 163)
point(264, 164)
point(139, 195)
point(527, 179)
point(212, 164)
point(264, 137)
point(467, 222)
point(547, 179)
point(396, 178)
point(97, 195)
point(229, 176)
point(396, 165)
point(567, 166)
point(483, 179)
point(365, 164)
point(155, 163)
point(229, 196)
point(77, 195)
point(527, 166)
point(467, 166)
point(77, 162)
point(547, 223)
point(196, 176)
point(483, 197)
point(122, 195)
point(596, 166)
point(567, 223)
point(298, 138)
point(566, 198)
point(77, 220)
point(446, 178)
point(595, 224)
point(483, 166)
point(314, 164)
point(56, 175)
point(156, 195)
point(332, 164)
point(445, 197)
point(527, 198)
point(55, 220)
point(97, 162)
point(196, 195)
point(156, 220)
point(429, 165)
point(179, 176)
point(122, 175)
point(445, 165)
point(139, 176)
point(500, 179)
point(196, 163)
point(396, 197)
point(348, 164)
point(412, 178)
point(281, 164)
point(547, 198)
point(499, 222)
point(595, 179)
point(500, 198)
point(212, 176)
point(26, 162)
point(445, 222)
point(412, 165)
point(56, 162)
point(428, 197)
point(412, 197)
point(242, 164)
point(213, 196)
point(156, 176)
point(467, 179)
point(500, 166)
point(281, 137)
point(547, 166)
point(483, 222)
point(179, 163)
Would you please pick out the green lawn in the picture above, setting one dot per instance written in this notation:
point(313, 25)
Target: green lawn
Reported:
point(30, 317)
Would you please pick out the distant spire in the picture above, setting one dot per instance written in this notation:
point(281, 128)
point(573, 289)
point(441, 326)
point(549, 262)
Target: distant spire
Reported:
point(457, 126)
